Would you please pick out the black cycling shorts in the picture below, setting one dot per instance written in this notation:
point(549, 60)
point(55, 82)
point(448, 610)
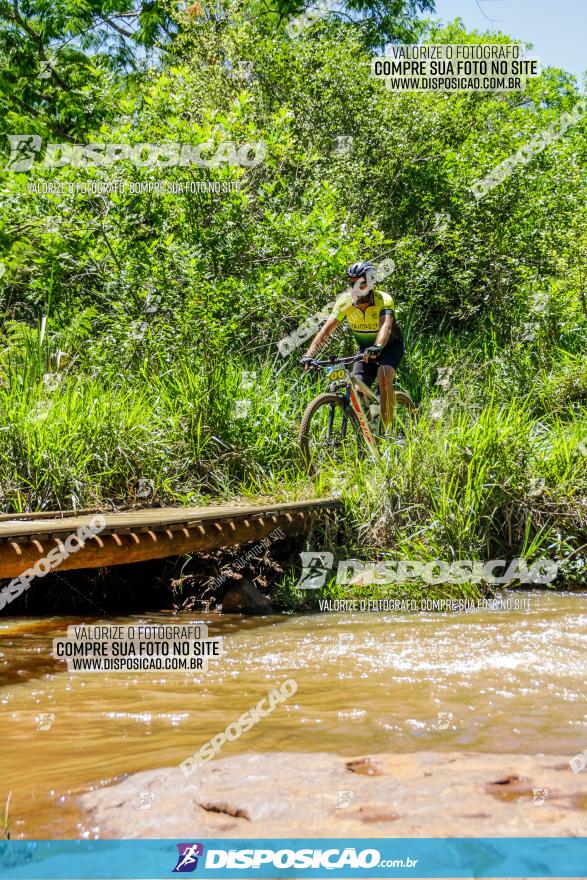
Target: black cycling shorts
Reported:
point(390, 356)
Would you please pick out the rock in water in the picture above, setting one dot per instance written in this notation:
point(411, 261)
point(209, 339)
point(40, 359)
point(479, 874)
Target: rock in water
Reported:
point(285, 794)
point(245, 598)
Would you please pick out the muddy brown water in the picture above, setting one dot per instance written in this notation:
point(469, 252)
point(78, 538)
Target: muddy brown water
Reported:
point(482, 681)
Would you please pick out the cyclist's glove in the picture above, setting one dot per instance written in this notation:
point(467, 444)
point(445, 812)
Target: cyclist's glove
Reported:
point(372, 353)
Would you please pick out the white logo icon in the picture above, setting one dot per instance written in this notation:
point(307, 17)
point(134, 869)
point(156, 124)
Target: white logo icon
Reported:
point(437, 407)
point(46, 719)
point(444, 374)
point(579, 762)
point(152, 303)
point(344, 800)
point(23, 151)
point(244, 69)
point(343, 144)
point(536, 487)
point(248, 379)
point(144, 488)
point(242, 408)
point(315, 569)
point(146, 798)
point(46, 70)
point(540, 302)
point(443, 720)
point(441, 221)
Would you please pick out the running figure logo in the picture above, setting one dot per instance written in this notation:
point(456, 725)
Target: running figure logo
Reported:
point(187, 860)
point(23, 151)
point(314, 571)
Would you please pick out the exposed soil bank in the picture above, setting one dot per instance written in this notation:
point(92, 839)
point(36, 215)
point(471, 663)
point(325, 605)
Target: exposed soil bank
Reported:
point(177, 583)
point(284, 794)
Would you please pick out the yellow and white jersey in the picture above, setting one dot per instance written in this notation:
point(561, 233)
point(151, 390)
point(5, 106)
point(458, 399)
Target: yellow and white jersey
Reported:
point(365, 325)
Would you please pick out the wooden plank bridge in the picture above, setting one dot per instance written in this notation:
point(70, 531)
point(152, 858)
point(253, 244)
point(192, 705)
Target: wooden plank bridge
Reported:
point(153, 533)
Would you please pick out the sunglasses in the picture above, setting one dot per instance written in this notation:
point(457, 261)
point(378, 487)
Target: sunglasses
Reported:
point(363, 285)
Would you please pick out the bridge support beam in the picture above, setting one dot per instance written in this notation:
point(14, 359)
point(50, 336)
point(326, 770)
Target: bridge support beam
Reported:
point(144, 541)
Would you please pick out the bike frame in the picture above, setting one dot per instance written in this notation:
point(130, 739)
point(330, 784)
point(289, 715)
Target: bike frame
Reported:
point(355, 401)
point(353, 386)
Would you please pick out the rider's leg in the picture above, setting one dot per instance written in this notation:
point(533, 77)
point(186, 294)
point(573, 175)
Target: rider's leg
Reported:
point(385, 376)
point(389, 361)
point(366, 373)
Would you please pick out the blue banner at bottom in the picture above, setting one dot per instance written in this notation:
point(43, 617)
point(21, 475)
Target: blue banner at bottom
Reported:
point(505, 857)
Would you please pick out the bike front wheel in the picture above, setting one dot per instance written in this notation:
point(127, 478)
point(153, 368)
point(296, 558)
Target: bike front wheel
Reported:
point(329, 430)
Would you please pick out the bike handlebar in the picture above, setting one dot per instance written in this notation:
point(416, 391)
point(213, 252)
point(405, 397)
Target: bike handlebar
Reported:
point(332, 361)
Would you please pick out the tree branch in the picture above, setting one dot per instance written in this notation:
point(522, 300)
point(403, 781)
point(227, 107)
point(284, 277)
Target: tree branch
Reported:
point(39, 41)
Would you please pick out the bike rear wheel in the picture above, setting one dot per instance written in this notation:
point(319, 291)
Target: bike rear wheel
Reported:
point(405, 400)
point(329, 430)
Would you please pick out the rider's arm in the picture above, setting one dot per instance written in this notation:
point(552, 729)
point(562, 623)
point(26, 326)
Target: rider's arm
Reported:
point(385, 328)
point(322, 337)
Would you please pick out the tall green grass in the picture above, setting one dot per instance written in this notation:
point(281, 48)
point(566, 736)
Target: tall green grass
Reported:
point(494, 466)
point(75, 437)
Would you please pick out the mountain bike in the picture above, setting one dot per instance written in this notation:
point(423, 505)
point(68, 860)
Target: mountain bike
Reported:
point(341, 421)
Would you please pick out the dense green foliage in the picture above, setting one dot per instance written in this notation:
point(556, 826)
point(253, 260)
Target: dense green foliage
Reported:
point(130, 318)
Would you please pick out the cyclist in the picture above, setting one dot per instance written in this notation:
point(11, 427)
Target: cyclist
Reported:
point(371, 317)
